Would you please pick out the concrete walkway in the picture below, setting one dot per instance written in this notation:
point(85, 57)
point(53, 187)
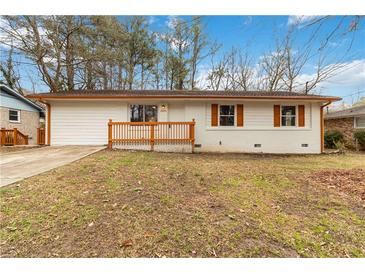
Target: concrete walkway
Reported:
point(16, 166)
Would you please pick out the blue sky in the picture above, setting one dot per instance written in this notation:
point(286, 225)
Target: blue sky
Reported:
point(258, 35)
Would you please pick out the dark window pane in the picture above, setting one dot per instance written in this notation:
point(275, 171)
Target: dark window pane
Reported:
point(136, 113)
point(288, 110)
point(288, 121)
point(227, 110)
point(150, 113)
point(226, 121)
point(13, 115)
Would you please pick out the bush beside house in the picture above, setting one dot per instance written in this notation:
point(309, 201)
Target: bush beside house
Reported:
point(347, 121)
point(333, 138)
point(359, 136)
point(344, 126)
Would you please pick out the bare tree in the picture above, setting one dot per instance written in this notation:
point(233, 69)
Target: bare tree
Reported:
point(245, 73)
point(8, 72)
point(199, 43)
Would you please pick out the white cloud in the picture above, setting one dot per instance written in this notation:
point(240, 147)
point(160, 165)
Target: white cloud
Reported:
point(248, 20)
point(347, 81)
point(202, 77)
point(151, 19)
point(4, 40)
point(171, 21)
point(9, 36)
point(353, 74)
point(300, 19)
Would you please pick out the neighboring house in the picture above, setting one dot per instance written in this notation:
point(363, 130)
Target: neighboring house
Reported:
point(19, 112)
point(225, 121)
point(346, 121)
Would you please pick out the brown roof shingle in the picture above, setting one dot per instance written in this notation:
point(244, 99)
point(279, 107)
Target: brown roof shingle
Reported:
point(180, 94)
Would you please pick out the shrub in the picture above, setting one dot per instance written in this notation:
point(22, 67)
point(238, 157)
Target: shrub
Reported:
point(359, 135)
point(340, 146)
point(332, 137)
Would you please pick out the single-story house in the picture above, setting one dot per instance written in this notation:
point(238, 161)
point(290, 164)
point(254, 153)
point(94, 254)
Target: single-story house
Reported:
point(346, 121)
point(209, 121)
point(19, 112)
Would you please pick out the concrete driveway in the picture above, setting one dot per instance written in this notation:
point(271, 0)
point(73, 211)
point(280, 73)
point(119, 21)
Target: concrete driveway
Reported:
point(16, 166)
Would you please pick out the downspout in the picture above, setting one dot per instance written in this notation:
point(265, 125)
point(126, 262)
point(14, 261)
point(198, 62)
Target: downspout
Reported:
point(48, 120)
point(322, 124)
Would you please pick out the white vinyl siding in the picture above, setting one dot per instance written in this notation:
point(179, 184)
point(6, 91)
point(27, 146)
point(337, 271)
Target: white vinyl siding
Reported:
point(12, 102)
point(259, 115)
point(85, 123)
point(176, 112)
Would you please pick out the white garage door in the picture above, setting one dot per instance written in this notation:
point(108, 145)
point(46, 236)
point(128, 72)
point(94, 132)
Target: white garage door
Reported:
point(84, 123)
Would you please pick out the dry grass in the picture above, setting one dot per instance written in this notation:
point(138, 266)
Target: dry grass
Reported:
point(141, 204)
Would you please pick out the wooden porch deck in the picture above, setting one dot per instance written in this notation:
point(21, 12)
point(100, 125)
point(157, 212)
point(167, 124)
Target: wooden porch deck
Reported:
point(151, 134)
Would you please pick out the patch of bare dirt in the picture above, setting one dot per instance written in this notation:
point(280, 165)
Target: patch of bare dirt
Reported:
point(351, 181)
point(9, 149)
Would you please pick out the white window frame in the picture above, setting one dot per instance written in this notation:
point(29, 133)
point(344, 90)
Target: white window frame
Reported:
point(355, 121)
point(296, 116)
point(234, 115)
point(18, 113)
point(144, 106)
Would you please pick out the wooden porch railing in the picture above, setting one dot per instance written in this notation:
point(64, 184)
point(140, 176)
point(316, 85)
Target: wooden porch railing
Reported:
point(151, 133)
point(12, 137)
point(41, 136)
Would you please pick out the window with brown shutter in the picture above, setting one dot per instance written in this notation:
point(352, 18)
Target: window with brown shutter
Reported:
point(240, 115)
point(301, 118)
point(214, 112)
point(276, 115)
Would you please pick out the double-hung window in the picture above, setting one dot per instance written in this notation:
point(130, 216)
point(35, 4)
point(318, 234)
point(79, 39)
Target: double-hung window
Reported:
point(226, 115)
point(14, 115)
point(143, 113)
point(359, 122)
point(288, 116)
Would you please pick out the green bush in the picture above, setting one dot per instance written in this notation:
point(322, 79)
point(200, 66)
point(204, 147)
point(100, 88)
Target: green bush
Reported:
point(340, 146)
point(359, 135)
point(332, 137)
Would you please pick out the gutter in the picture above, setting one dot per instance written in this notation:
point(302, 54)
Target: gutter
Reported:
point(322, 124)
point(93, 97)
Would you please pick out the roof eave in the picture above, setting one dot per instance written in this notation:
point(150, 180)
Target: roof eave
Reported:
point(99, 97)
point(22, 97)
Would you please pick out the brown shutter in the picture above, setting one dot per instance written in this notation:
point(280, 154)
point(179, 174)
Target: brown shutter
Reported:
point(301, 114)
point(240, 115)
point(276, 115)
point(214, 113)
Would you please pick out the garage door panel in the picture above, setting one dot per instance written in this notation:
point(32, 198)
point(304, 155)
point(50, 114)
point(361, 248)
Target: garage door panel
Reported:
point(76, 123)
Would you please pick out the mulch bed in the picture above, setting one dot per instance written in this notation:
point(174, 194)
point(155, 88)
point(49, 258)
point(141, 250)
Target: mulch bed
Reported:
point(351, 181)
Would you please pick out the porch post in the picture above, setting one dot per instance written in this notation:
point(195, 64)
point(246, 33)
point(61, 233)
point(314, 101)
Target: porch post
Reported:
point(3, 136)
point(15, 136)
point(110, 134)
point(152, 136)
point(192, 135)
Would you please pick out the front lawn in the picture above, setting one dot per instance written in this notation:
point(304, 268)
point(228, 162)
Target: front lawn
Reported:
point(144, 204)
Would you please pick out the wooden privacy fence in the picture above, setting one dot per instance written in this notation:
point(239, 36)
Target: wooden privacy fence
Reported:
point(151, 133)
point(12, 137)
point(41, 136)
